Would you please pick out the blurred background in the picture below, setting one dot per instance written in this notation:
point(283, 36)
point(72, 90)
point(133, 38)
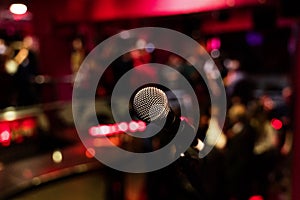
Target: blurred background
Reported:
point(255, 45)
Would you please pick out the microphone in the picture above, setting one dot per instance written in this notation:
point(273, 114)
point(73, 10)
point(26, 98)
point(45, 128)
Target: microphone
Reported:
point(150, 104)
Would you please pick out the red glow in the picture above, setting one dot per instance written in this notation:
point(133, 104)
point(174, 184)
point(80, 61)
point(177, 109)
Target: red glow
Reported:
point(142, 126)
point(115, 9)
point(14, 124)
point(90, 153)
point(256, 197)
point(5, 134)
point(105, 129)
point(123, 126)
point(28, 124)
point(19, 139)
point(133, 126)
point(20, 129)
point(182, 118)
point(93, 131)
point(213, 43)
point(114, 128)
point(276, 124)
point(111, 129)
point(5, 138)
point(4, 126)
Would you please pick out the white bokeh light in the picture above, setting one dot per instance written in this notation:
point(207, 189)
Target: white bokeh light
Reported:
point(18, 8)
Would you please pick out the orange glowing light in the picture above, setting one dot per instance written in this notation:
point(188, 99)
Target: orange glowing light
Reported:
point(90, 153)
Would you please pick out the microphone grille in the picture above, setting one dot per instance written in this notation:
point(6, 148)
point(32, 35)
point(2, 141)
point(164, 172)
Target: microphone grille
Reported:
point(150, 103)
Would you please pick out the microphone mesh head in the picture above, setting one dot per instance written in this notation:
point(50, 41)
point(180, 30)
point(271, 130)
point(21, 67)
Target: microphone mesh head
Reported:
point(150, 104)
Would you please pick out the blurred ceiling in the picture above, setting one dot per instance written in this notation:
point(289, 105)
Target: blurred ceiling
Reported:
point(98, 10)
point(104, 10)
point(101, 10)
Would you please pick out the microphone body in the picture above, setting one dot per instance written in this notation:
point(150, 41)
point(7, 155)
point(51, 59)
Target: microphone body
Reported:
point(150, 105)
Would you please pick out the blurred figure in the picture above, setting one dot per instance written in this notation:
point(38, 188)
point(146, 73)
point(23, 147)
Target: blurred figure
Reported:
point(20, 63)
point(78, 54)
point(235, 80)
point(239, 152)
point(27, 70)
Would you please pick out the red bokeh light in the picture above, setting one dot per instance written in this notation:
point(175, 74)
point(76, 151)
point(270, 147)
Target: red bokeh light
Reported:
point(28, 124)
point(123, 126)
point(5, 137)
point(213, 43)
point(17, 130)
point(256, 197)
point(141, 126)
point(276, 124)
point(133, 126)
point(112, 129)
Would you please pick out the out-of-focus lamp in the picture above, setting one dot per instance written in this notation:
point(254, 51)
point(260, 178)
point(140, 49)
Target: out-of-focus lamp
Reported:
point(18, 8)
